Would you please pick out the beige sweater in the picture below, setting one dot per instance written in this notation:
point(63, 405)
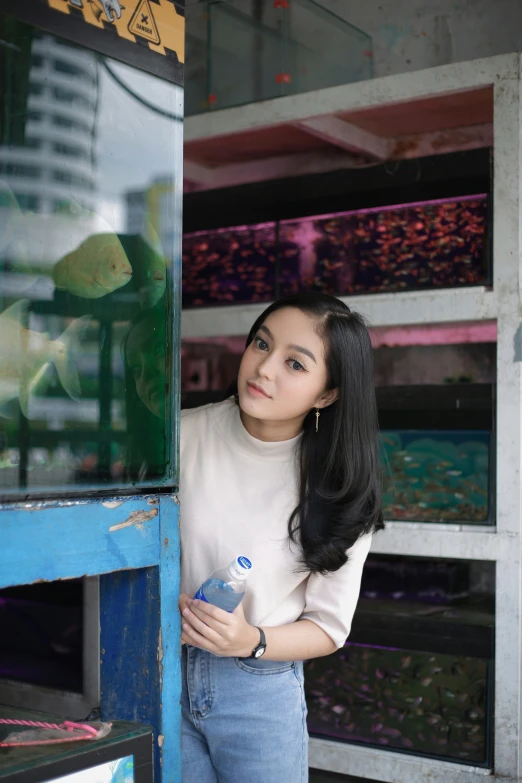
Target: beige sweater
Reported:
point(236, 495)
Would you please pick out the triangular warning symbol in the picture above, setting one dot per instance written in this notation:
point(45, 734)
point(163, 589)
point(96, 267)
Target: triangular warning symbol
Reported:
point(142, 23)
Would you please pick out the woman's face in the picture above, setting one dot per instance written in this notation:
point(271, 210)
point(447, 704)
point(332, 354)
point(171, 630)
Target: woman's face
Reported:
point(283, 372)
point(145, 356)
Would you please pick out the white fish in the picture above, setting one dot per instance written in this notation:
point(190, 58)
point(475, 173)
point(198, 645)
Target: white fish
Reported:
point(25, 355)
point(96, 268)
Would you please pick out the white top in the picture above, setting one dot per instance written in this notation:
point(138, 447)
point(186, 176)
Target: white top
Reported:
point(236, 495)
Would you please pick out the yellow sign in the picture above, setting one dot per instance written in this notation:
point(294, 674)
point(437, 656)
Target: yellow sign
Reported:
point(157, 22)
point(143, 24)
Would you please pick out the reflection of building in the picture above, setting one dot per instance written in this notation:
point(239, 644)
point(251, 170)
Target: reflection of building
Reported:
point(57, 160)
point(48, 162)
point(149, 212)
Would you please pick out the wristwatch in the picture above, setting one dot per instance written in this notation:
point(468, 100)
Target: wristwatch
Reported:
point(258, 651)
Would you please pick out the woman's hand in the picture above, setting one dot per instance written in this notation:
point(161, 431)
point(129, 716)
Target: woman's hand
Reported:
point(222, 633)
point(183, 598)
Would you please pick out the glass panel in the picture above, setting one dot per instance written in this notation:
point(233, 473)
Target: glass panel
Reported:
point(436, 244)
point(436, 476)
point(244, 59)
point(278, 49)
point(229, 266)
point(417, 672)
point(89, 255)
point(196, 94)
point(331, 51)
point(124, 736)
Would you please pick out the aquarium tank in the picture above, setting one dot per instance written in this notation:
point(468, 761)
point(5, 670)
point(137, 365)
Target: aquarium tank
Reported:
point(426, 245)
point(88, 264)
point(443, 475)
point(437, 447)
point(416, 674)
point(231, 265)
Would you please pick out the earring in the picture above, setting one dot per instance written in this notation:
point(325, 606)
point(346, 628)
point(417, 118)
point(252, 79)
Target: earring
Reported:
point(317, 414)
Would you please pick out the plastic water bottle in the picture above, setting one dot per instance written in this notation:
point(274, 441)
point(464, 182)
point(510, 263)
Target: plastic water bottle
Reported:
point(226, 587)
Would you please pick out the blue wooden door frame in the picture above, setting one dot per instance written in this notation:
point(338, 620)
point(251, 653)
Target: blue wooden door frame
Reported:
point(133, 544)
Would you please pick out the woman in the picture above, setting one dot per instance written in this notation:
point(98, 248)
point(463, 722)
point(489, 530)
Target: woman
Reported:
point(285, 472)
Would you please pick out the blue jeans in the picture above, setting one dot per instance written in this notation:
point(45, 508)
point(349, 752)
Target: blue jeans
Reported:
point(242, 720)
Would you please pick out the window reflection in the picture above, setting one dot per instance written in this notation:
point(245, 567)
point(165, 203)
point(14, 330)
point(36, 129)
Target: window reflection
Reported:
point(89, 229)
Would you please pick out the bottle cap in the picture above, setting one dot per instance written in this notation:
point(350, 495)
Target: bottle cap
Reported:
point(240, 567)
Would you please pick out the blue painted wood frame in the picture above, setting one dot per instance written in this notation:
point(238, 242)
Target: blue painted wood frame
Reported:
point(134, 544)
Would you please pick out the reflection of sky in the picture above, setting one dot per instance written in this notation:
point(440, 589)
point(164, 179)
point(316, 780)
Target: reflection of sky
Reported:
point(135, 144)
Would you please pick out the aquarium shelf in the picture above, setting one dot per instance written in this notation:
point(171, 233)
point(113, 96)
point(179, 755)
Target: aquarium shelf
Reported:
point(431, 539)
point(411, 115)
point(449, 305)
point(427, 112)
point(370, 763)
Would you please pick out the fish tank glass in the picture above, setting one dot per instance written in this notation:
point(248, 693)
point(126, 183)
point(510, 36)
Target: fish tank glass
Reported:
point(416, 674)
point(437, 446)
point(90, 252)
point(434, 244)
point(277, 48)
point(428, 245)
point(436, 475)
point(229, 266)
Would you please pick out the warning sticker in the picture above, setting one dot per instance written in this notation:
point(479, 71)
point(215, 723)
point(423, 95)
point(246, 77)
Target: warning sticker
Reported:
point(163, 29)
point(143, 24)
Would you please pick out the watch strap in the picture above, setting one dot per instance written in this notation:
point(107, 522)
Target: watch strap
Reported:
point(262, 642)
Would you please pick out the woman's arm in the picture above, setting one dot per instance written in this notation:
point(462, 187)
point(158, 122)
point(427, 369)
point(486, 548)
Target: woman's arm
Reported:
point(229, 634)
point(297, 641)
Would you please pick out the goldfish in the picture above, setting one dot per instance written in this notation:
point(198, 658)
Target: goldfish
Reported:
point(25, 356)
point(96, 268)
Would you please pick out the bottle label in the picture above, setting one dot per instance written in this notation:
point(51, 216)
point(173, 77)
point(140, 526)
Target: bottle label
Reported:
point(200, 596)
point(244, 562)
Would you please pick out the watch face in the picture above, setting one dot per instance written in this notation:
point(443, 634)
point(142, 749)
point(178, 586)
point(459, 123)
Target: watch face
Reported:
point(259, 652)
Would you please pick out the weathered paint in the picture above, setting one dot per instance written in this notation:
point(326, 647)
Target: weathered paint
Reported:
point(135, 518)
point(140, 671)
point(63, 540)
point(517, 345)
point(135, 549)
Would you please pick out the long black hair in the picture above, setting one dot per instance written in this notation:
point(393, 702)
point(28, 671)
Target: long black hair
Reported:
point(339, 467)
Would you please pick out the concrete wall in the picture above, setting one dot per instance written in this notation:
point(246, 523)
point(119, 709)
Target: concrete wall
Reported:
point(410, 35)
point(434, 364)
